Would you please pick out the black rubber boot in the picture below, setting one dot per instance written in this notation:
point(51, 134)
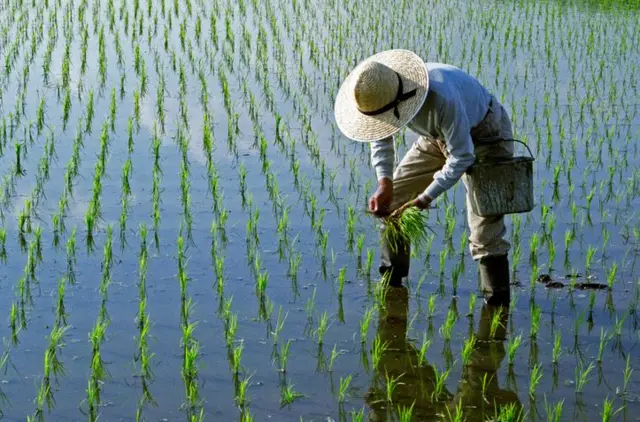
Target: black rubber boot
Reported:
point(494, 277)
point(394, 265)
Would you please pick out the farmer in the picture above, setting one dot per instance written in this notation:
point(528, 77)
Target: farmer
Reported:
point(453, 113)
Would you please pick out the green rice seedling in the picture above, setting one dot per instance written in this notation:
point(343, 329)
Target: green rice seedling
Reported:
point(442, 261)
point(58, 225)
point(18, 169)
point(421, 281)
point(607, 410)
point(424, 349)
point(365, 322)
point(592, 303)
point(582, 376)
point(3, 247)
point(310, 305)
point(509, 412)
point(113, 110)
point(391, 383)
point(61, 316)
point(98, 370)
point(323, 325)
point(618, 325)
point(472, 304)
point(591, 251)
point(534, 379)
point(378, 349)
point(439, 381)
point(66, 109)
point(628, 371)
point(496, 322)
point(24, 218)
point(236, 358)
point(405, 413)
point(40, 118)
point(53, 368)
point(231, 326)
point(294, 265)
point(360, 245)
point(13, 323)
point(288, 395)
point(554, 413)
point(534, 244)
point(611, 275)
point(279, 325)
point(604, 339)
point(261, 283)
point(341, 280)
point(447, 327)
point(557, 347)
point(432, 305)
point(455, 276)
point(357, 416)
point(190, 375)
point(457, 416)
point(512, 348)
point(408, 228)
point(89, 113)
point(334, 355)
point(284, 355)
point(467, 349)
point(536, 311)
point(344, 388)
point(241, 393)
point(71, 256)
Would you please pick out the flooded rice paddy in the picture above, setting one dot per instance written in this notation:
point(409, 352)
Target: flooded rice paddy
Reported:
point(183, 228)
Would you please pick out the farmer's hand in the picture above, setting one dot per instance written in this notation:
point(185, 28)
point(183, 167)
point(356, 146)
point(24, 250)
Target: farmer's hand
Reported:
point(381, 200)
point(419, 203)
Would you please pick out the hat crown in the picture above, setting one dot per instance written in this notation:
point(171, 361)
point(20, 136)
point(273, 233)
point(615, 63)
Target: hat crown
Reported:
point(376, 85)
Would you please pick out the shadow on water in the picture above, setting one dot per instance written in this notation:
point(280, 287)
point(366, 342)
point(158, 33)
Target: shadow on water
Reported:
point(478, 394)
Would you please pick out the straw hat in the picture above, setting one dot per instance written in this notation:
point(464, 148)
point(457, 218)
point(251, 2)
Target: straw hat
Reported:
point(381, 95)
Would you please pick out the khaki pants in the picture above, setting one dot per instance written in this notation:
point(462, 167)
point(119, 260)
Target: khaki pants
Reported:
point(427, 155)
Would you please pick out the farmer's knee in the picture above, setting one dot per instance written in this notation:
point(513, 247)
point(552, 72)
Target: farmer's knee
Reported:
point(487, 236)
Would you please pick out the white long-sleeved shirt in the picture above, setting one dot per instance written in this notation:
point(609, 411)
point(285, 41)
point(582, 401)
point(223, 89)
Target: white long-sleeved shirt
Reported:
point(455, 103)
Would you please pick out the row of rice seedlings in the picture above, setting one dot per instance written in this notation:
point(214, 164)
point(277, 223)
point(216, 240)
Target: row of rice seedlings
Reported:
point(70, 174)
point(235, 349)
point(142, 355)
point(93, 213)
point(189, 344)
point(156, 174)
point(127, 169)
point(53, 366)
point(18, 313)
point(99, 373)
point(185, 184)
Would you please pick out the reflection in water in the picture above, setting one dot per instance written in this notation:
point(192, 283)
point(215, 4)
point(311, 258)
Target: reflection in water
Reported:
point(478, 394)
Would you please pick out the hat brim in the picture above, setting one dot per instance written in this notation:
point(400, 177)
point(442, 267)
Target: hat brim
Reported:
point(360, 127)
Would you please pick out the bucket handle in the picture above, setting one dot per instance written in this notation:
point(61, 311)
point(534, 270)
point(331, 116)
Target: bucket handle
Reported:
point(497, 140)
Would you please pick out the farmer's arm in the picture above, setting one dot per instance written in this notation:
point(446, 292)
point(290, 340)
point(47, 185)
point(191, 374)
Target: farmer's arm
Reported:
point(382, 157)
point(455, 129)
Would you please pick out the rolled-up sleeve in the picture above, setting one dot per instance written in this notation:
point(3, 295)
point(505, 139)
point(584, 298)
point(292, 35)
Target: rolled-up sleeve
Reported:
point(382, 158)
point(455, 129)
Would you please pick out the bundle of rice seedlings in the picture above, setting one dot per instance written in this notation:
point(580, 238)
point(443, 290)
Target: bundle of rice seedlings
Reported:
point(409, 228)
